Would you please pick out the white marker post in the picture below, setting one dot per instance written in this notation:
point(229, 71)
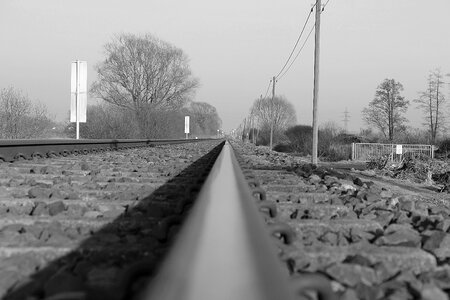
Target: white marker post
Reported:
point(186, 126)
point(78, 95)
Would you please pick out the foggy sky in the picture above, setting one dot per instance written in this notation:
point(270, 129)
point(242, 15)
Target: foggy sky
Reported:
point(235, 47)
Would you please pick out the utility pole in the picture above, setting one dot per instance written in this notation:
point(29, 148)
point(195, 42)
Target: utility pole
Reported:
point(316, 83)
point(346, 119)
point(271, 112)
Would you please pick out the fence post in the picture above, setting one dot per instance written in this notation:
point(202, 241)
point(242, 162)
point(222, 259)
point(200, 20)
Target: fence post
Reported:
point(353, 151)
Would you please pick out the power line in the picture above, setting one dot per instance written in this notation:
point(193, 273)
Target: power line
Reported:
point(298, 53)
point(278, 77)
point(268, 87)
point(296, 43)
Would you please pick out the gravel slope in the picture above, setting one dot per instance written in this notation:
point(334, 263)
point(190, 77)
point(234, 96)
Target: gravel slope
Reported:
point(372, 240)
point(93, 226)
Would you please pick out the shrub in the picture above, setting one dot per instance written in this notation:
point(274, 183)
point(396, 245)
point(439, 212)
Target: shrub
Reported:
point(444, 146)
point(338, 151)
point(300, 138)
point(285, 148)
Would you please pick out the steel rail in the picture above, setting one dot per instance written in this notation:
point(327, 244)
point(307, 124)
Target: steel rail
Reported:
point(11, 150)
point(224, 249)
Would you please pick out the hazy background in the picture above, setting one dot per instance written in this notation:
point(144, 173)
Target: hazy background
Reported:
point(235, 48)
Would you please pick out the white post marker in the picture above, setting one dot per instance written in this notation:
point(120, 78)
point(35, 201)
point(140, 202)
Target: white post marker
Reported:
point(186, 126)
point(78, 94)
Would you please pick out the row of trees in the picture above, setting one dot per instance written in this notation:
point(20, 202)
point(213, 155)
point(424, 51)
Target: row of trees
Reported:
point(146, 86)
point(107, 121)
point(386, 111)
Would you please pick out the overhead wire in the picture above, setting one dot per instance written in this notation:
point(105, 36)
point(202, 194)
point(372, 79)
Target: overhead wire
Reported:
point(296, 43)
point(298, 53)
point(281, 74)
point(268, 87)
point(304, 43)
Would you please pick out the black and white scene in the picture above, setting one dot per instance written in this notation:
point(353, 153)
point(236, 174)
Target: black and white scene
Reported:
point(225, 150)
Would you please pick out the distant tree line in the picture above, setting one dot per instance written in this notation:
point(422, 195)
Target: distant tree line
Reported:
point(107, 121)
point(146, 89)
point(20, 118)
point(385, 113)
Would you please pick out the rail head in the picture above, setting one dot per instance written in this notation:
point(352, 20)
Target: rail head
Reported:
point(224, 250)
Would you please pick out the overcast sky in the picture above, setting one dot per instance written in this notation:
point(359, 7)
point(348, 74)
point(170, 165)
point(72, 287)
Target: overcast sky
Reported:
point(235, 47)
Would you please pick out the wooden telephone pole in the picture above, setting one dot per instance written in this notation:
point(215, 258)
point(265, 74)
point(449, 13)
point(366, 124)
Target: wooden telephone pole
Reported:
point(316, 83)
point(271, 112)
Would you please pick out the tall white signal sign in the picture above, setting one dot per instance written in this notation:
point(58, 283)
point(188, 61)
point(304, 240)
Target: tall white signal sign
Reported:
point(78, 94)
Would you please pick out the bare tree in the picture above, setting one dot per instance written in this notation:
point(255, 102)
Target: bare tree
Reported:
point(143, 73)
point(432, 101)
point(278, 114)
point(19, 117)
point(205, 117)
point(386, 110)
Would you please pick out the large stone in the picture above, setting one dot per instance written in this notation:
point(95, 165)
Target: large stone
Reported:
point(41, 209)
point(23, 208)
point(396, 290)
point(433, 240)
point(432, 292)
point(352, 274)
point(399, 235)
point(38, 192)
point(55, 208)
point(314, 179)
point(386, 194)
point(443, 252)
point(413, 204)
point(358, 181)
point(401, 217)
point(384, 218)
point(76, 210)
point(443, 225)
point(329, 180)
point(372, 197)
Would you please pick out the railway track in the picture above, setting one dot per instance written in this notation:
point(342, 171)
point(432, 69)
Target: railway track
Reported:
point(92, 226)
point(98, 226)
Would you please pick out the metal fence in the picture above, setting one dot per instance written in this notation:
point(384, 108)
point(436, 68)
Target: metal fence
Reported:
point(395, 152)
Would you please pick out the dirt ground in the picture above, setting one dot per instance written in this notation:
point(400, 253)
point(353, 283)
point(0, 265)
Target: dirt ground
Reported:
point(426, 192)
